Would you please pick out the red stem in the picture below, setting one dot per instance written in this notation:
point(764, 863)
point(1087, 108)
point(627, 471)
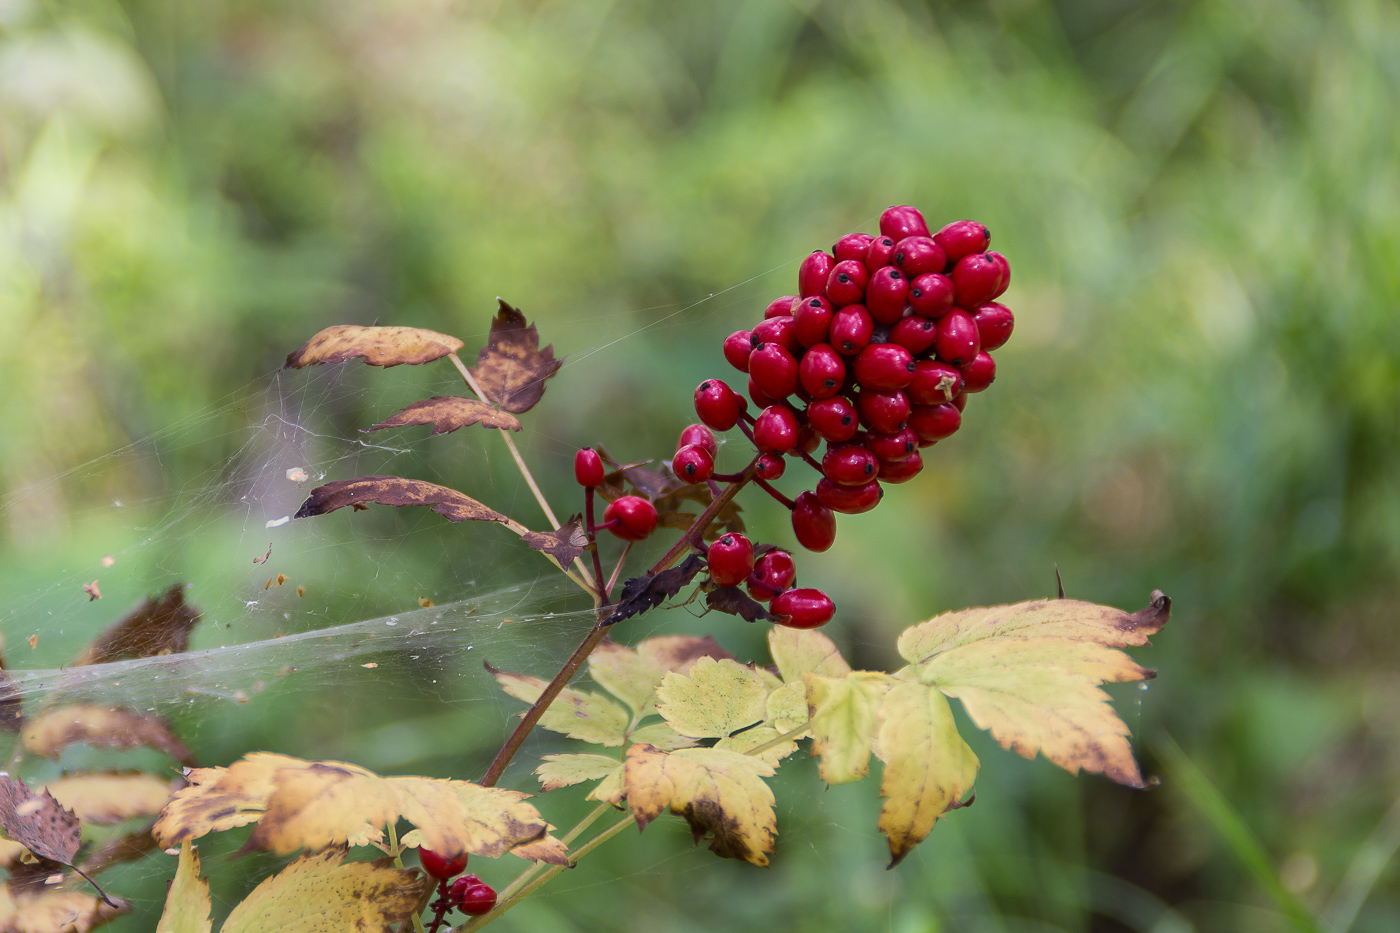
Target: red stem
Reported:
point(763, 484)
point(593, 538)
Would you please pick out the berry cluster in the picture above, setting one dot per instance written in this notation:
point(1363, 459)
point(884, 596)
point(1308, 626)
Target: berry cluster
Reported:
point(467, 893)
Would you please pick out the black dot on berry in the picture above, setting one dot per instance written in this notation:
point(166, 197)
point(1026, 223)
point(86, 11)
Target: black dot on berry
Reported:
point(845, 421)
point(842, 278)
point(910, 367)
point(830, 383)
point(894, 274)
point(898, 257)
point(755, 341)
point(887, 241)
point(869, 469)
point(916, 293)
point(814, 303)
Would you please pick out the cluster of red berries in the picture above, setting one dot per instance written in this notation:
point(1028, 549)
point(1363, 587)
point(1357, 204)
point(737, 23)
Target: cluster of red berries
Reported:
point(469, 894)
point(768, 577)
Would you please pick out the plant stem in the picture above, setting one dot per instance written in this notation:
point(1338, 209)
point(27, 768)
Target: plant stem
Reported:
point(604, 592)
point(398, 863)
point(617, 570)
point(766, 487)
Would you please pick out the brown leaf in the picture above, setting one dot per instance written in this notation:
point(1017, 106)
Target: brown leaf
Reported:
point(38, 821)
point(11, 704)
point(447, 413)
point(158, 625)
point(395, 490)
point(379, 346)
point(55, 910)
point(651, 590)
point(736, 602)
point(566, 544)
point(93, 593)
point(101, 726)
point(511, 369)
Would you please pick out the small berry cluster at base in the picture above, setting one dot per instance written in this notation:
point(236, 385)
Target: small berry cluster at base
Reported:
point(768, 578)
point(467, 893)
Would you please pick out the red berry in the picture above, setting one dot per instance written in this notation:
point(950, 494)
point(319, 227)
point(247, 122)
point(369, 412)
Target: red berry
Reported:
point(881, 249)
point(718, 405)
point(1005, 268)
point(770, 466)
point(440, 866)
point(760, 398)
point(822, 371)
point(931, 295)
point(850, 464)
point(460, 885)
point(779, 330)
point(891, 448)
point(851, 329)
point(957, 341)
point(852, 500)
point(994, 323)
point(807, 437)
point(960, 401)
point(886, 412)
point(846, 285)
point(737, 347)
point(775, 430)
point(730, 559)
point(915, 334)
point(588, 468)
point(780, 307)
point(477, 900)
point(852, 246)
point(979, 373)
point(813, 523)
point(962, 238)
point(636, 517)
point(773, 572)
point(693, 464)
point(887, 294)
point(774, 370)
point(884, 366)
point(813, 273)
point(812, 321)
point(700, 436)
point(918, 255)
point(901, 471)
point(834, 419)
point(976, 279)
point(803, 608)
point(902, 221)
point(934, 422)
point(934, 383)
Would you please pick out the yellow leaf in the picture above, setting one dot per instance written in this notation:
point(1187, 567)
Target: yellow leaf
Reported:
point(1041, 695)
point(720, 793)
point(608, 790)
point(590, 717)
point(662, 736)
point(545, 849)
point(753, 738)
point(787, 707)
point(566, 770)
point(798, 651)
point(111, 797)
point(625, 674)
point(221, 798)
point(45, 909)
point(187, 903)
point(716, 699)
point(928, 767)
point(322, 893)
point(100, 726)
point(845, 712)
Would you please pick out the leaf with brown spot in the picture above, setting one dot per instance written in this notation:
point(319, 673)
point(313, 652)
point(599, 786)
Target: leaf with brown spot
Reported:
point(512, 369)
point(447, 413)
point(651, 590)
point(37, 821)
point(48, 734)
point(565, 544)
point(111, 797)
point(397, 491)
point(187, 903)
point(11, 704)
point(720, 793)
point(221, 798)
point(735, 602)
point(56, 910)
point(378, 346)
point(579, 714)
point(157, 625)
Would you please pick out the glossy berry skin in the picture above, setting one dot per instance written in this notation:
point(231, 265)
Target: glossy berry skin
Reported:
point(813, 523)
point(935, 422)
point(884, 366)
point(934, 383)
point(693, 464)
point(775, 430)
point(994, 324)
point(774, 370)
point(773, 572)
point(851, 329)
point(891, 448)
point(807, 437)
point(834, 419)
point(915, 334)
point(902, 221)
point(846, 285)
point(931, 295)
point(802, 608)
point(780, 307)
point(976, 279)
point(822, 371)
point(1004, 267)
point(636, 517)
point(851, 500)
point(760, 398)
point(852, 246)
point(441, 867)
point(477, 900)
point(886, 412)
point(980, 373)
point(918, 255)
point(730, 559)
point(718, 405)
point(588, 468)
point(770, 466)
point(700, 436)
point(960, 401)
point(887, 294)
point(901, 471)
point(459, 887)
point(811, 320)
point(958, 341)
point(737, 347)
point(962, 238)
point(881, 251)
point(779, 330)
point(813, 273)
point(850, 465)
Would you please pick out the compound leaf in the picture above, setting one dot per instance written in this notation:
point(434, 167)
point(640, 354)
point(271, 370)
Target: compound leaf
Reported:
point(395, 490)
point(845, 714)
point(447, 413)
point(566, 770)
point(217, 799)
point(37, 821)
point(714, 700)
point(798, 651)
point(579, 714)
point(48, 734)
point(322, 893)
point(158, 625)
point(187, 904)
point(566, 543)
point(111, 797)
point(633, 674)
point(511, 369)
point(378, 346)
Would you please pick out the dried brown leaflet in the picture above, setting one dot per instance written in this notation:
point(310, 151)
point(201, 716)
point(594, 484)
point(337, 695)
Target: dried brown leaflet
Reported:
point(511, 369)
point(377, 346)
point(397, 491)
point(158, 625)
point(447, 413)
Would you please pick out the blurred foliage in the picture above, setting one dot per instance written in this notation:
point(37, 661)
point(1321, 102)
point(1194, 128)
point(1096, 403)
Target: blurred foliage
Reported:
point(1199, 201)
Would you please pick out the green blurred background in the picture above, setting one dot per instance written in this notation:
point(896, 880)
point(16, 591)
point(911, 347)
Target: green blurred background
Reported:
point(1201, 205)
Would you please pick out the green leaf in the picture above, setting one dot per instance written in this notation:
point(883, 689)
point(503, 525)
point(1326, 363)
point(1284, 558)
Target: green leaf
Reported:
point(787, 707)
point(187, 903)
point(579, 714)
point(845, 714)
point(804, 651)
point(716, 699)
point(322, 893)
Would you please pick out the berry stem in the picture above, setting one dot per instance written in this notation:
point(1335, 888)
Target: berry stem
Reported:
point(617, 570)
point(441, 906)
point(726, 477)
point(605, 593)
point(766, 487)
point(812, 461)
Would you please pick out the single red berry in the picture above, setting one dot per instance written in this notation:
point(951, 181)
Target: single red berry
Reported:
point(852, 246)
point(693, 464)
point(718, 405)
point(588, 468)
point(976, 279)
point(851, 500)
point(440, 866)
point(935, 422)
point(884, 366)
point(881, 250)
point(779, 330)
point(807, 437)
point(760, 398)
point(700, 436)
point(775, 430)
point(979, 373)
point(915, 334)
point(802, 608)
point(846, 284)
point(730, 559)
point(891, 448)
point(780, 307)
point(1005, 268)
point(887, 294)
point(850, 464)
point(459, 888)
point(477, 900)
point(834, 419)
point(737, 347)
point(994, 323)
point(886, 412)
point(636, 517)
point(901, 471)
point(812, 320)
point(960, 401)
point(851, 329)
point(822, 371)
point(813, 523)
point(931, 295)
point(770, 466)
point(962, 238)
point(957, 341)
point(934, 383)
point(918, 255)
point(902, 221)
point(813, 273)
point(773, 572)
point(774, 370)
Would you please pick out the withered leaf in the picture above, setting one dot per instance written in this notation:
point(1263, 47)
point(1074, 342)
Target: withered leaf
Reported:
point(102, 726)
point(447, 413)
point(565, 544)
point(736, 602)
point(511, 369)
point(158, 625)
point(11, 704)
point(395, 490)
point(323, 893)
point(651, 590)
point(38, 821)
point(379, 346)
point(218, 799)
point(57, 910)
point(92, 591)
